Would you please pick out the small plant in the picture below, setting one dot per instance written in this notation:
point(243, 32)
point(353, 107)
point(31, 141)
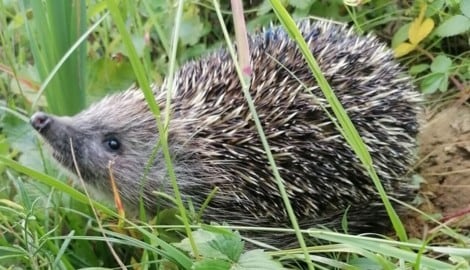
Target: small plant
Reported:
point(442, 67)
point(224, 249)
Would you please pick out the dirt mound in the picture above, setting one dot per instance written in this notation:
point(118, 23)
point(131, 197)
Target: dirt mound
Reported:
point(445, 166)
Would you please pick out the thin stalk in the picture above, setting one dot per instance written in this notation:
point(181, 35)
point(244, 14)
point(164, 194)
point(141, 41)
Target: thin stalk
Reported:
point(64, 58)
point(154, 107)
point(245, 82)
point(55, 26)
point(172, 65)
point(348, 130)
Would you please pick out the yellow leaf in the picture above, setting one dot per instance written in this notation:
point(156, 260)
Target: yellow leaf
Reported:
point(414, 26)
point(403, 49)
point(421, 32)
point(420, 29)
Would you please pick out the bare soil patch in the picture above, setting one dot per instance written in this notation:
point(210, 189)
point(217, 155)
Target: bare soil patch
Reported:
point(445, 167)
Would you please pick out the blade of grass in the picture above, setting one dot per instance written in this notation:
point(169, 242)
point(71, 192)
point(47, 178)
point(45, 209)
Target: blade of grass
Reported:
point(348, 130)
point(169, 251)
point(64, 58)
point(379, 246)
point(55, 26)
point(172, 65)
point(34, 235)
point(57, 184)
point(245, 79)
point(154, 107)
point(62, 250)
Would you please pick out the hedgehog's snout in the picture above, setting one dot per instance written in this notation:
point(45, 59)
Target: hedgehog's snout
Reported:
point(40, 121)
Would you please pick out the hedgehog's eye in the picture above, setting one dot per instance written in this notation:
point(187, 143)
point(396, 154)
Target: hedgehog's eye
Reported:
point(112, 144)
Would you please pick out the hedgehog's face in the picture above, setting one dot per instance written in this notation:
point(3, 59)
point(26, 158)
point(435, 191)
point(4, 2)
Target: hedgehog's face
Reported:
point(115, 137)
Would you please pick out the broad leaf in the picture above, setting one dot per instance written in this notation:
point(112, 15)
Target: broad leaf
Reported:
point(256, 260)
point(430, 84)
point(465, 8)
point(441, 64)
point(455, 25)
point(212, 264)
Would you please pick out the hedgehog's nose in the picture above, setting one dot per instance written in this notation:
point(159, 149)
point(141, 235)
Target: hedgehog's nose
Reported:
point(40, 121)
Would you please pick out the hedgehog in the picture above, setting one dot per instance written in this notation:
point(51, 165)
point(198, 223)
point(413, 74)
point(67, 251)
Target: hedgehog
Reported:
point(213, 141)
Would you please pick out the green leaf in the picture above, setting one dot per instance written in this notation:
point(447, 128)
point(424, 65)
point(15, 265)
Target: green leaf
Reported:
point(139, 45)
point(169, 217)
point(256, 260)
point(444, 85)
point(441, 64)
point(4, 145)
point(416, 69)
point(212, 264)
point(301, 4)
point(401, 35)
point(202, 239)
point(455, 25)
point(230, 245)
point(20, 136)
point(465, 7)
point(430, 84)
point(191, 28)
point(227, 245)
point(263, 8)
point(193, 51)
point(434, 7)
point(108, 75)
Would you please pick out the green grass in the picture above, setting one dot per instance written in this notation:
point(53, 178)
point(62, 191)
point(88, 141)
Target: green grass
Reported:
point(77, 51)
point(54, 27)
